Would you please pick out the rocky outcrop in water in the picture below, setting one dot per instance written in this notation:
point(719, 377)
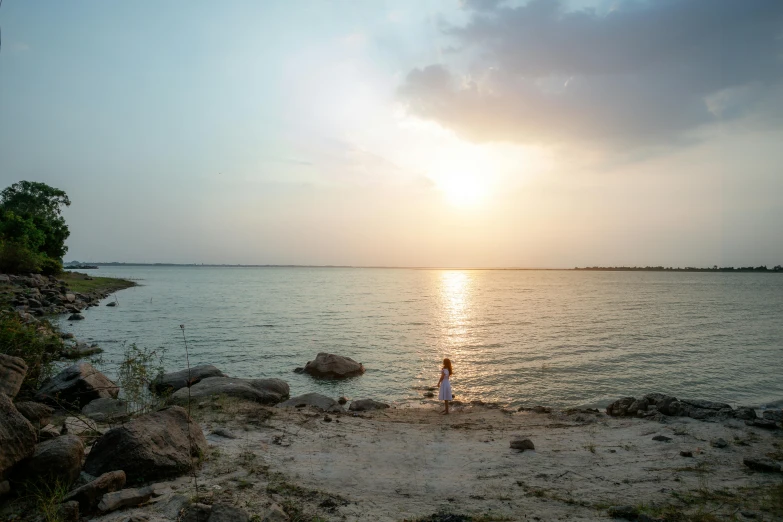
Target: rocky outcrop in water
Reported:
point(171, 382)
point(655, 404)
point(331, 366)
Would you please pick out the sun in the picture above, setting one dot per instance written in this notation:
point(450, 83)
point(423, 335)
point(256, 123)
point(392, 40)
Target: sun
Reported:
point(462, 190)
point(461, 175)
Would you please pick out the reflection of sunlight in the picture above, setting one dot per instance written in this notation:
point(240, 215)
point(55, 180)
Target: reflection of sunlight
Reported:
point(455, 299)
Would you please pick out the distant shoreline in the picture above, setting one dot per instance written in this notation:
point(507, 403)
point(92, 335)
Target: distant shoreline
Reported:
point(728, 270)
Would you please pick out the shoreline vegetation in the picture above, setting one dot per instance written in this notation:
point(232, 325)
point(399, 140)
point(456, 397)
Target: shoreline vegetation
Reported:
point(197, 444)
point(730, 269)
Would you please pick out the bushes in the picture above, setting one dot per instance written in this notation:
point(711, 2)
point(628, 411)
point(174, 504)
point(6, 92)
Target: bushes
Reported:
point(16, 258)
point(33, 343)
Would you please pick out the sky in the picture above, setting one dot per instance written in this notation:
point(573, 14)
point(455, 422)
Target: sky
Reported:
point(439, 133)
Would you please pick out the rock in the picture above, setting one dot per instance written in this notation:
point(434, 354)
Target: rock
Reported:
point(367, 405)
point(68, 512)
point(90, 494)
point(762, 423)
point(17, 436)
point(341, 401)
point(745, 413)
point(621, 407)
point(773, 415)
point(662, 438)
point(171, 382)
point(762, 464)
point(196, 513)
point(275, 514)
point(428, 394)
point(37, 413)
point(12, 373)
point(327, 418)
point(70, 298)
point(522, 444)
point(718, 443)
point(152, 446)
point(330, 366)
point(643, 517)
point(111, 303)
point(315, 400)
point(172, 507)
point(76, 317)
point(48, 432)
point(77, 386)
point(265, 391)
point(67, 335)
point(225, 513)
point(80, 350)
point(686, 454)
point(130, 497)
point(58, 459)
point(222, 432)
point(107, 410)
point(623, 512)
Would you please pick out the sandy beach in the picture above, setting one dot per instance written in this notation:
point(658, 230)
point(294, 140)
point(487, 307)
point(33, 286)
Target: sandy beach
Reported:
point(412, 463)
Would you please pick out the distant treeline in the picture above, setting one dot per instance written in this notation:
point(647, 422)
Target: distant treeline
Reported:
point(715, 268)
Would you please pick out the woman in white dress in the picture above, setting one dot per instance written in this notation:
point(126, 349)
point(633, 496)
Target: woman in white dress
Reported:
point(444, 385)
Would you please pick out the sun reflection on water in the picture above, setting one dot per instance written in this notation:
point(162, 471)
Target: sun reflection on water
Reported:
point(455, 297)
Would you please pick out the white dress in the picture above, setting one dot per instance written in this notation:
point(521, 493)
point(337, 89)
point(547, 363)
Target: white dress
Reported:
point(444, 394)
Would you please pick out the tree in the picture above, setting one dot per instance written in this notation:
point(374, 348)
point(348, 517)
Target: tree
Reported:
point(41, 206)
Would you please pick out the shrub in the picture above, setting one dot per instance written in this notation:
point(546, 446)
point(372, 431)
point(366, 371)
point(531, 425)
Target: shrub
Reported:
point(15, 258)
point(50, 266)
point(34, 343)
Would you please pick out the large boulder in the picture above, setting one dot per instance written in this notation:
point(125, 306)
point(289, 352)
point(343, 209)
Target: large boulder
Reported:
point(17, 436)
point(316, 400)
point(265, 391)
point(156, 445)
point(171, 382)
point(331, 366)
point(107, 410)
point(367, 405)
point(37, 413)
point(77, 386)
point(90, 494)
point(12, 374)
point(55, 460)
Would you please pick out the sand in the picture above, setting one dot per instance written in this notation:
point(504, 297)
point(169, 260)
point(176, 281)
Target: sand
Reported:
point(409, 463)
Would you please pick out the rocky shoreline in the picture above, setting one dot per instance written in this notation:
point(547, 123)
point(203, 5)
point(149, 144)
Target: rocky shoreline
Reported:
point(212, 447)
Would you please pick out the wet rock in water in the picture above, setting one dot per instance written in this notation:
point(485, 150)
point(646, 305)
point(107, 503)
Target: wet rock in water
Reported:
point(68, 512)
point(152, 446)
point(81, 350)
point(111, 303)
point(12, 373)
point(16, 433)
point(623, 512)
point(686, 454)
point(90, 494)
point(67, 335)
point(107, 410)
point(77, 386)
point(171, 382)
point(762, 423)
point(745, 413)
point(773, 415)
point(342, 400)
point(621, 407)
point(367, 405)
point(331, 366)
point(662, 438)
point(522, 444)
point(130, 497)
point(718, 443)
point(429, 394)
point(76, 317)
point(55, 460)
point(315, 400)
point(264, 391)
point(37, 413)
point(762, 464)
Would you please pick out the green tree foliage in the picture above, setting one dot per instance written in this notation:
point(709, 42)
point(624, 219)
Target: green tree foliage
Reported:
point(32, 228)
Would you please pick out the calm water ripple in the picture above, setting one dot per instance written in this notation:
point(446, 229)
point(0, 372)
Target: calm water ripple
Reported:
point(524, 337)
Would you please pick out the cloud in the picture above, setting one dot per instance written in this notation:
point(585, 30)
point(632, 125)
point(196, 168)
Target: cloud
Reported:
point(646, 73)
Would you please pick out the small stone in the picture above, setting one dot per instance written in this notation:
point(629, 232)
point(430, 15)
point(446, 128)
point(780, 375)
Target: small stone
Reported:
point(68, 512)
point(686, 454)
point(275, 514)
point(76, 317)
point(342, 400)
point(662, 438)
point(90, 494)
point(429, 394)
point(111, 303)
point(718, 443)
point(222, 432)
point(624, 512)
point(327, 418)
point(522, 444)
point(762, 464)
point(766, 424)
point(130, 497)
